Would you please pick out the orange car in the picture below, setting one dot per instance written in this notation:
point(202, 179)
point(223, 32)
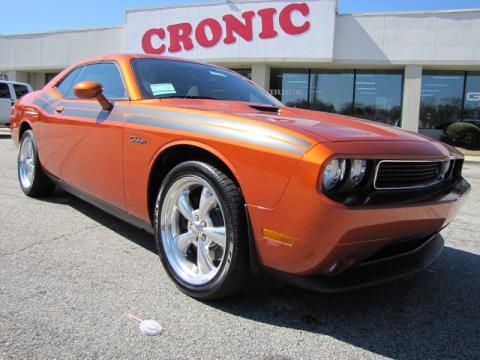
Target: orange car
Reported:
point(231, 182)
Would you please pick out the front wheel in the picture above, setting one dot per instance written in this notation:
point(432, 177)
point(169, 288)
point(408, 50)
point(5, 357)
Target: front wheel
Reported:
point(33, 181)
point(201, 232)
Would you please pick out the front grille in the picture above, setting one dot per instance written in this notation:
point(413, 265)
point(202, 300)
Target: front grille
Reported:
point(399, 174)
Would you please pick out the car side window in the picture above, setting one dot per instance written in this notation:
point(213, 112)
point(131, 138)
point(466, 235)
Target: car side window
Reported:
point(106, 74)
point(20, 90)
point(4, 91)
point(66, 85)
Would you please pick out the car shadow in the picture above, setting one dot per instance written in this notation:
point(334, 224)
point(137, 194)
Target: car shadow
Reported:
point(433, 314)
point(138, 236)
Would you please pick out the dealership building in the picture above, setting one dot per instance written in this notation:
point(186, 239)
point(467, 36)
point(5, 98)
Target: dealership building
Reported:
point(417, 70)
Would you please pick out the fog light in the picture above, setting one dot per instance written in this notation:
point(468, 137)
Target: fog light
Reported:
point(357, 172)
point(334, 173)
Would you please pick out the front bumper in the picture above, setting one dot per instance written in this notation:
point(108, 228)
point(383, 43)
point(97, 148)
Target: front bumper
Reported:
point(371, 272)
point(327, 238)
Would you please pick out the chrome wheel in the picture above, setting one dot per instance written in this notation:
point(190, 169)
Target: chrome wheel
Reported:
point(192, 226)
point(26, 163)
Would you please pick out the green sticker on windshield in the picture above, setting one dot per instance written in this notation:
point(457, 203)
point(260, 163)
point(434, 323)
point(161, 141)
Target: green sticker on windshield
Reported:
point(162, 89)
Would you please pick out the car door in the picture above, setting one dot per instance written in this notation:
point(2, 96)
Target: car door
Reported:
point(87, 140)
point(5, 103)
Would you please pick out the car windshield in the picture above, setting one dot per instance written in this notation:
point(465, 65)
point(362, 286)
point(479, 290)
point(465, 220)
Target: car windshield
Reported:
point(162, 78)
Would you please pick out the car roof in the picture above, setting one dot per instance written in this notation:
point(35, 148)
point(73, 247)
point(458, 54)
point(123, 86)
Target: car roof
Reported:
point(128, 56)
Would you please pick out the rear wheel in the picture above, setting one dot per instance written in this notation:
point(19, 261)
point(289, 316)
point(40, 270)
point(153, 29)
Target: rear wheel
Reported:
point(33, 180)
point(201, 231)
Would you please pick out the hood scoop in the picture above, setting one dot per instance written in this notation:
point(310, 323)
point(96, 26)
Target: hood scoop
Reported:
point(265, 108)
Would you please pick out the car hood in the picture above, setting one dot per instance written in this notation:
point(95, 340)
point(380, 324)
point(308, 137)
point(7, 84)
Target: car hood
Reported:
point(320, 126)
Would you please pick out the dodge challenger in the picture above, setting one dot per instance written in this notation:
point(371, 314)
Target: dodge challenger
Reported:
point(231, 182)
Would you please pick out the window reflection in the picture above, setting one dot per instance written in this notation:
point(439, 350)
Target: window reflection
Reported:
point(290, 86)
point(471, 111)
point(441, 99)
point(374, 95)
point(378, 96)
point(332, 91)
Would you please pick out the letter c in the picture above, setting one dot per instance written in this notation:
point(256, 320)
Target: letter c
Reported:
point(286, 22)
point(147, 41)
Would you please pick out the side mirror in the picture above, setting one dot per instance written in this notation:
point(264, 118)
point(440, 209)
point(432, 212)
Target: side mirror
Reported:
point(91, 90)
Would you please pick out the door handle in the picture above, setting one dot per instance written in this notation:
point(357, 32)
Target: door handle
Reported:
point(59, 109)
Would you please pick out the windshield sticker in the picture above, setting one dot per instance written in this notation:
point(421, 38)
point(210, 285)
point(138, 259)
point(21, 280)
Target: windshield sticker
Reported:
point(217, 74)
point(162, 89)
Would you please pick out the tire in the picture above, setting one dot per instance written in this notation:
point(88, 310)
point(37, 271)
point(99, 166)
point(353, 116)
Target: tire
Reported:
point(32, 179)
point(204, 261)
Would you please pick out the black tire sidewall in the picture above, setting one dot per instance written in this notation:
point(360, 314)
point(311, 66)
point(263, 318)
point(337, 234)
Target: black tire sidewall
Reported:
point(207, 173)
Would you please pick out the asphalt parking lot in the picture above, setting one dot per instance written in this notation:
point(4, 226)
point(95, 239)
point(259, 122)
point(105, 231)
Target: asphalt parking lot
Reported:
point(70, 275)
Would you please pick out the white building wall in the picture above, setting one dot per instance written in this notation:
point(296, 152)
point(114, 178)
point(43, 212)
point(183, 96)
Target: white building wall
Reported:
point(56, 50)
point(435, 38)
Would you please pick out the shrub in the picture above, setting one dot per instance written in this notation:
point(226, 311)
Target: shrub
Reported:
point(464, 135)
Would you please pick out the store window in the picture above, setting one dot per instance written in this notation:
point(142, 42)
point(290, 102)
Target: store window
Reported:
point(378, 96)
point(49, 77)
point(290, 86)
point(369, 94)
point(244, 72)
point(471, 108)
point(441, 99)
point(332, 91)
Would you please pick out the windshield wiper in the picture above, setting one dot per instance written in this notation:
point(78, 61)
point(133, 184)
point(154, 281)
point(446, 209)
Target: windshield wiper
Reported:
point(201, 97)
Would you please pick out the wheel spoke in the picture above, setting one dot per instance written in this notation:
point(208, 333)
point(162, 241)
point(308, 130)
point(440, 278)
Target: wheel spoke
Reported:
point(197, 250)
point(207, 202)
point(185, 207)
point(216, 235)
point(204, 262)
point(30, 150)
point(183, 241)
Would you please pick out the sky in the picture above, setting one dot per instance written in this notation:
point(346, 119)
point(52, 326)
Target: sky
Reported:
point(28, 16)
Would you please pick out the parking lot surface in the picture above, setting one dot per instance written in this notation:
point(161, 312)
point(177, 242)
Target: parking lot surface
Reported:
point(70, 275)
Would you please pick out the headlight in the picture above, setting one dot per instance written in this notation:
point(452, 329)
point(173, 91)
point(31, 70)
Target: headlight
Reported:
point(334, 173)
point(357, 172)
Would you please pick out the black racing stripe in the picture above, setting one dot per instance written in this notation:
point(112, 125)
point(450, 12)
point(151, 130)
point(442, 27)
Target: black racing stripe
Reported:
point(92, 105)
point(50, 99)
point(206, 129)
point(249, 127)
point(102, 115)
point(177, 120)
point(44, 105)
